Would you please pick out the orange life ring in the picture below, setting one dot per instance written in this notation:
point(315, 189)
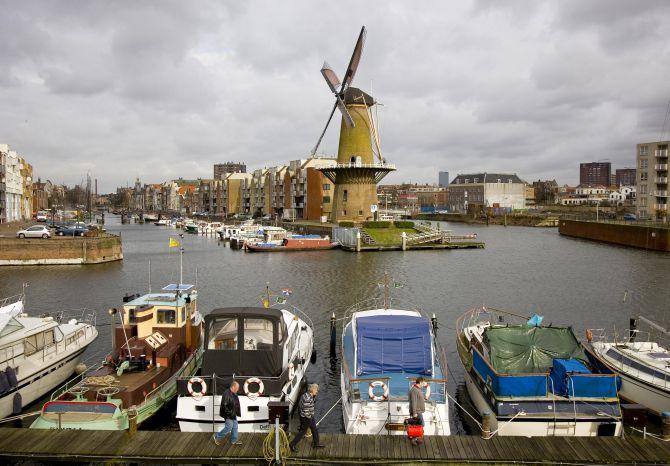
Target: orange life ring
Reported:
point(197, 394)
point(261, 387)
point(371, 391)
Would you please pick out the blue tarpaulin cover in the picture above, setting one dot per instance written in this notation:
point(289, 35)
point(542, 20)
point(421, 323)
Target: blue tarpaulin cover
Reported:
point(393, 343)
point(560, 371)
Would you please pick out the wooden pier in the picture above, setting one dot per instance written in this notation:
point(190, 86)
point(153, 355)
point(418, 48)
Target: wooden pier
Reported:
point(177, 447)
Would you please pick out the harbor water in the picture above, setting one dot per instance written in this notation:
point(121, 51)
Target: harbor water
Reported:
point(528, 270)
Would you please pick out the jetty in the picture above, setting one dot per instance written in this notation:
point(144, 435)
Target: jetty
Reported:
point(61, 250)
point(653, 236)
point(177, 447)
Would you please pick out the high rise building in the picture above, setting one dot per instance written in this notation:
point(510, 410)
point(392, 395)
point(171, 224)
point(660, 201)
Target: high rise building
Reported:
point(595, 173)
point(625, 177)
point(652, 180)
point(221, 169)
point(443, 179)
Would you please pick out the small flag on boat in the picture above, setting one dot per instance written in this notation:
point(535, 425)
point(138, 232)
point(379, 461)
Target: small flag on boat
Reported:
point(266, 303)
point(174, 243)
point(280, 300)
point(286, 291)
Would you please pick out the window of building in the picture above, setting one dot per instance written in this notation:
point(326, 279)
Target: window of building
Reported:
point(326, 187)
point(643, 189)
point(476, 180)
point(326, 199)
point(166, 316)
point(360, 212)
point(644, 163)
point(643, 176)
point(644, 150)
point(643, 201)
point(345, 195)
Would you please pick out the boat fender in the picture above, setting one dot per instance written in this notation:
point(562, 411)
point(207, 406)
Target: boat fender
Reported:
point(203, 387)
point(253, 395)
point(11, 376)
point(4, 382)
point(17, 404)
point(291, 372)
point(589, 335)
point(371, 391)
point(312, 358)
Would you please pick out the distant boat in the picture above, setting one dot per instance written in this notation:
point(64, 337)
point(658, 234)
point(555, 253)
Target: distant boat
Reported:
point(642, 361)
point(162, 222)
point(38, 353)
point(150, 217)
point(535, 380)
point(158, 341)
point(294, 243)
point(386, 346)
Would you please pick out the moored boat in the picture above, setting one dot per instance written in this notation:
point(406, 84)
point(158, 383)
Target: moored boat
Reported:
point(266, 350)
point(157, 341)
point(535, 380)
point(38, 353)
point(293, 243)
point(386, 346)
point(162, 222)
point(641, 358)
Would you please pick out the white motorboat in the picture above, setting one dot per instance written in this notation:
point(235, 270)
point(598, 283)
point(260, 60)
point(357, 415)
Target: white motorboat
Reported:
point(641, 358)
point(38, 353)
point(535, 380)
point(266, 350)
point(386, 346)
point(162, 222)
point(150, 217)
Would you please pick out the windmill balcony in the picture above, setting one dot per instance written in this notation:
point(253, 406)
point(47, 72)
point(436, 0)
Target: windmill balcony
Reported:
point(365, 165)
point(661, 153)
point(661, 166)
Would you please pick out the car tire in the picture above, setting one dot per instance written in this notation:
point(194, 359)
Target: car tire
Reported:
point(22, 236)
point(60, 233)
point(45, 236)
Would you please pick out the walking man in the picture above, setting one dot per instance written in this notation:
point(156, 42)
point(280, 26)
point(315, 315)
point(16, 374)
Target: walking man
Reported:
point(417, 404)
point(229, 410)
point(307, 421)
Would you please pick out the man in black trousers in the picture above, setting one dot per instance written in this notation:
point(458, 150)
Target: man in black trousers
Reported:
point(307, 421)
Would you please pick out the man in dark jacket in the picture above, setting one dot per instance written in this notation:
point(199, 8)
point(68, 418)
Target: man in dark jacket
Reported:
point(229, 410)
point(307, 421)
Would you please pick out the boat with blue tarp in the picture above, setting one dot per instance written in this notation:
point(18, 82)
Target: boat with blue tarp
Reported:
point(531, 379)
point(386, 346)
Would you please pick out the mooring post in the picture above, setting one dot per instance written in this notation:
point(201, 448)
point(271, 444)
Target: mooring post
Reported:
point(333, 335)
point(358, 241)
point(132, 421)
point(486, 424)
point(403, 236)
point(277, 456)
point(665, 428)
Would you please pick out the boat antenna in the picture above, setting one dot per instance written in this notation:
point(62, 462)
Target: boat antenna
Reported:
point(181, 259)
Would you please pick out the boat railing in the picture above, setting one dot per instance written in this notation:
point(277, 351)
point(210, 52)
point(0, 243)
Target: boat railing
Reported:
point(12, 299)
point(168, 389)
point(380, 303)
point(67, 386)
point(353, 387)
point(303, 316)
point(438, 389)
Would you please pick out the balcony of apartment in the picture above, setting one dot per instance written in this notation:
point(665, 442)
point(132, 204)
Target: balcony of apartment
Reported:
point(661, 193)
point(661, 154)
point(661, 206)
point(661, 167)
point(662, 180)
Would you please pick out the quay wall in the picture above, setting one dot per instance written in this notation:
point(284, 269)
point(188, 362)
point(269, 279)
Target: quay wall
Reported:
point(656, 238)
point(61, 250)
point(507, 220)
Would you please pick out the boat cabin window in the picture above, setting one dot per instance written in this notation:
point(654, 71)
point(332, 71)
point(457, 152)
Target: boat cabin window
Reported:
point(132, 317)
point(165, 316)
point(183, 314)
point(258, 334)
point(224, 334)
point(37, 342)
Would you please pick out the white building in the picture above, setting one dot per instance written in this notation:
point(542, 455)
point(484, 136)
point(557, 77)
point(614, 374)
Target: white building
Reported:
point(486, 190)
point(13, 185)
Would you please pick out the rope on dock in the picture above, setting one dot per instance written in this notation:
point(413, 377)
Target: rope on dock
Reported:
point(269, 446)
point(20, 416)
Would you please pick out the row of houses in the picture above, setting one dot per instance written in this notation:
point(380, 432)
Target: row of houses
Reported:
point(16, 186)
point(296, 191)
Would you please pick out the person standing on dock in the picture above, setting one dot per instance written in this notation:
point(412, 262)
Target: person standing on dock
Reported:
point(229, 410)
point(307, 421)
point(417, 404)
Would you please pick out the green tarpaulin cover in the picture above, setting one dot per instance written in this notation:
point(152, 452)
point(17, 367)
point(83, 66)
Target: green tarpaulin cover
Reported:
point(525, 349)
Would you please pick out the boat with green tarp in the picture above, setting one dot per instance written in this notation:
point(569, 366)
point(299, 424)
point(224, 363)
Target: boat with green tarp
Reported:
point(533, 379)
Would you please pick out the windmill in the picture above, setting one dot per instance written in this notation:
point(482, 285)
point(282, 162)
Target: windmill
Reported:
point(360, 165)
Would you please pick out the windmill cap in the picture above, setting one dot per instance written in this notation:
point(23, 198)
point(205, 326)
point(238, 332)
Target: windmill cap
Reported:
point(354, 95)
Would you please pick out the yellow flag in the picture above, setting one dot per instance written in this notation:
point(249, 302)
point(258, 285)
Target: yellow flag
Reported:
point(174, 243)
point(266, 303)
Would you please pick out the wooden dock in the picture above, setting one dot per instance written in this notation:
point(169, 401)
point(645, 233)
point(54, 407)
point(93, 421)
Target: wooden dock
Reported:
point(177, 447)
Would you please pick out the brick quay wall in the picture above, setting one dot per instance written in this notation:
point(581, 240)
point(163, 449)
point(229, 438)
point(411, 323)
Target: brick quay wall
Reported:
point(640, 235)
point(61, 250)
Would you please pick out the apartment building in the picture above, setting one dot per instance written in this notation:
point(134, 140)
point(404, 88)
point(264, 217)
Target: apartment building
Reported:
point(595, 173)
point(478, 191)
point(652, 180)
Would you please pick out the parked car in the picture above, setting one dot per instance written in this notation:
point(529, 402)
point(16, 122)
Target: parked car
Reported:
point(72, 230)
point(37, 231)
point(629, 217)
point(41, 217)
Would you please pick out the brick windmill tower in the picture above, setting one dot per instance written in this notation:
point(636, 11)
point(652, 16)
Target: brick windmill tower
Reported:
point(360, 165)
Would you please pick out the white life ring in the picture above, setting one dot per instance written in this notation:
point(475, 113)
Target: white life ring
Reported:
point(371, 391)
point(261, 387)
point(427, 385)
point(291, 372)
point(203, 386)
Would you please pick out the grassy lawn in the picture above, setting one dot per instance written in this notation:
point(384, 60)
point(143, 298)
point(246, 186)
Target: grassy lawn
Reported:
point(388, 236)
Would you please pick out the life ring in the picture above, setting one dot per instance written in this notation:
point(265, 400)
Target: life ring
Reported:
point(197, 394)
point(371, 391)
point(589, 335)
point(261, 387)
point(427, 385)
point(291, 372)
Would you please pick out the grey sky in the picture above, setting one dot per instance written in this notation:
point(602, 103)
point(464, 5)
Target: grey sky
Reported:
point(165, 89)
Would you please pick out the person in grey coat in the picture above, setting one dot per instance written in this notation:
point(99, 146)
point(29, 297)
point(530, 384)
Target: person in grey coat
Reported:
point(307, 421)
point(417, 403)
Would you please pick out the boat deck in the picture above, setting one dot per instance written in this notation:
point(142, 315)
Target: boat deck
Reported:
point(177, 447)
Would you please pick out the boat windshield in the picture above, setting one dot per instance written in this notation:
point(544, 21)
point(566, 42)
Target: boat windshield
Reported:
point(224, 334)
